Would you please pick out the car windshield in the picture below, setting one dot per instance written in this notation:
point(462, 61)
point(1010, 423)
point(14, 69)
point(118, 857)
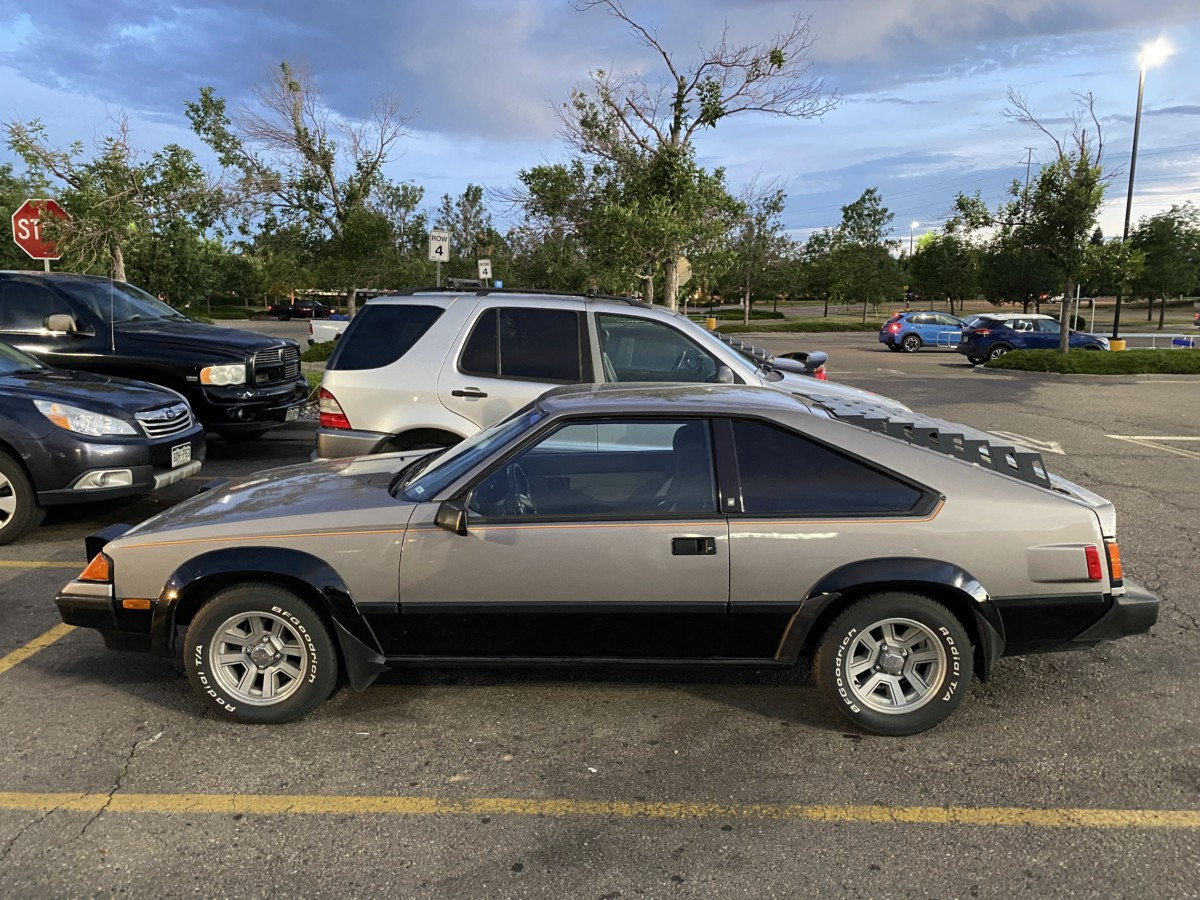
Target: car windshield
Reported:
point(13, 361)
point(739, 361)
point(424, 481)
point(115, 301)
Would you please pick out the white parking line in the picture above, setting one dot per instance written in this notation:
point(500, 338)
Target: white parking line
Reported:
point(1033, 443)
point(1161, 442)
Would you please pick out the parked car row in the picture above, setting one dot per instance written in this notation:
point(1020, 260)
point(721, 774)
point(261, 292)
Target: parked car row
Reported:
point(980, 337)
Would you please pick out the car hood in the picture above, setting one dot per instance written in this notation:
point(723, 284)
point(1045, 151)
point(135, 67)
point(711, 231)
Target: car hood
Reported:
point(101, 393)
point(193, 335)
point(805, 386)
point(326, 496)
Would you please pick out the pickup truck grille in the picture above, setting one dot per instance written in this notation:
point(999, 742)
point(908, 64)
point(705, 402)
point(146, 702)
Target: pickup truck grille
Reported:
point(165, 421)
point(275, 365)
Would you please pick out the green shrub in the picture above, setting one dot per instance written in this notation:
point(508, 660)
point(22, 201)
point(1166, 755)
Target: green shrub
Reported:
point(314, 380)
point(1097, 362)
point(736, 315)
point(800, 325)
point(319, 352)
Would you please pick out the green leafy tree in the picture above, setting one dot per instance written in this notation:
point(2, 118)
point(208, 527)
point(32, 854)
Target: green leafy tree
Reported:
point(863, 266)
point(116, 200)
point(1170, 244)
point(945, 265)
point(816, 271)
point(759, 242)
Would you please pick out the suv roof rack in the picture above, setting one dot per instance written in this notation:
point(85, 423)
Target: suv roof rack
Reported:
point(960, 441)
point(541, 292)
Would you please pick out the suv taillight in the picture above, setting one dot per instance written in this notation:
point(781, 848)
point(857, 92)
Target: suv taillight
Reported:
point(331, 411)
point(980, 331)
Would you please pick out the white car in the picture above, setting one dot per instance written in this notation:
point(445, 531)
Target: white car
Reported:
point(428, 368)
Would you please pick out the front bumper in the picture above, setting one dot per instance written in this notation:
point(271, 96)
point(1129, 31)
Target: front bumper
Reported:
point(335, 443)
point(86, 604)
point(244, 408)
point(70, 460)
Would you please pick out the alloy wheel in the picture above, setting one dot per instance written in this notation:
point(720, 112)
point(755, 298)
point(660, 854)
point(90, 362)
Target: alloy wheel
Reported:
point(259, 658)
point(895, 665)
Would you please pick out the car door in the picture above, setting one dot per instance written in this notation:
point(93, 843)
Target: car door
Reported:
point(601, 539)
point(1046, 335)
point(25, 309)
point(508, 355)
point(947, 330)
point(805, 510)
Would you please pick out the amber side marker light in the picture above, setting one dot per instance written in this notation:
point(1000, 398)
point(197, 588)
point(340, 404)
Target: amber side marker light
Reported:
point(1114, 561)
point(136, 603)
point(99, 569)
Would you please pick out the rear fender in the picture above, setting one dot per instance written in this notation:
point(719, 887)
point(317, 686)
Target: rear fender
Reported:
point(941, 580)
point(311, 577)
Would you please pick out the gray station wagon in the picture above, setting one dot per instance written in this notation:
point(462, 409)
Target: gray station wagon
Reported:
point(640, 524)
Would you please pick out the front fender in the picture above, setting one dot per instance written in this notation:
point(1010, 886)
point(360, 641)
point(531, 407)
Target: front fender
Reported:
point(943, 580)
point(314, 579)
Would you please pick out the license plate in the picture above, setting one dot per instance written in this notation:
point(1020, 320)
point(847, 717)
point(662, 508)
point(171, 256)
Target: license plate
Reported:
point(181, 455)
point(292, 414)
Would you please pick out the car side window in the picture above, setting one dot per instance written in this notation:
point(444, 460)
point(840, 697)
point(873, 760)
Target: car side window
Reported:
point(948, 320)
point(920, 319)
point(783, 473)
point(1020, 324)
point(1048, 326)
point(605, 470)
point(24, 306)
point(537, 344)
point(637, 349)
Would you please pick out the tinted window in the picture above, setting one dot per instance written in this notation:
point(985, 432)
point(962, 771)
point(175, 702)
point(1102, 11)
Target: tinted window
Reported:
point(604, 470)
point(636, 349)
point(948, 320)
point(115, 301)
point(381, 334)
point(1047, 326)
point(25, 306)
point(921, 319)
point(540, 344)
point(785, 474)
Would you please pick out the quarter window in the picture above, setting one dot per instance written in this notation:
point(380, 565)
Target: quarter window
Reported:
point(783, 473)
point(606, 470)
point(537, 344)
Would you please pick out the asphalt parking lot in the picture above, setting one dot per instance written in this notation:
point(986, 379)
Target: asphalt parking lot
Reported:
point(1071, 774)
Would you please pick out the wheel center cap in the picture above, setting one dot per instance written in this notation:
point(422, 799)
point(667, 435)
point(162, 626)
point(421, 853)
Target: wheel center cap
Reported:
point(891, 662)
point(262, 655)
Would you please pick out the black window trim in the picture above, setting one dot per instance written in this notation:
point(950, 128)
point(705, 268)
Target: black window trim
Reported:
point(928, 502)
point(546, 428)
point(585, 353)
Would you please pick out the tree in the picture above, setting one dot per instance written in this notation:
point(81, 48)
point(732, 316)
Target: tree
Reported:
point(115, 199)
point(759, 238)
point(1057, 213)
point(298, 165)
point(816, 265)
point(1170, 242)
point(863, 266)
point(644, 125)
point(945, 265)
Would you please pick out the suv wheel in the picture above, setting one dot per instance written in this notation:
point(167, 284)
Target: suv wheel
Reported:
point(893, 347)
point(911, 343)
point(894, 663)
point(258, 653)
point(19, 510)
point(998, 351)
point(976, 360)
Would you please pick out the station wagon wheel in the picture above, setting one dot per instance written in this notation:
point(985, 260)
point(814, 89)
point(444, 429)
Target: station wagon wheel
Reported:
point(911, 343)
point(259, 653)
point(895, 663)
point(19, 511)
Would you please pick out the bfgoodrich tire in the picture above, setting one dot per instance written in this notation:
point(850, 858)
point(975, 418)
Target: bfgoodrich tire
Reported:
point(894, 663)
point(19, 510)
point(258, 653)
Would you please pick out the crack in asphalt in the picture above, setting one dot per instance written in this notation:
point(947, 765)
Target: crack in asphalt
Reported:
point(12, 842)
point(144, 742)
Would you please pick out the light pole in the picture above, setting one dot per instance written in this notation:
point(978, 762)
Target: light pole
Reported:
point(1151, 55)
point(911, 226)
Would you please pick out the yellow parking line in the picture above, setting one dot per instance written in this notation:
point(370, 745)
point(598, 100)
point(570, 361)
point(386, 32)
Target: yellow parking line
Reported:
point(41, 642)
point(283, 804)
point(38, 564)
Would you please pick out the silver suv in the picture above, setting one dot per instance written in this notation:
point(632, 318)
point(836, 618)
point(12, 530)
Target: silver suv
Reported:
point(428, 368)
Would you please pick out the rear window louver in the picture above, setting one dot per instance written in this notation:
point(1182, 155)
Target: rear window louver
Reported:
point(961, 442)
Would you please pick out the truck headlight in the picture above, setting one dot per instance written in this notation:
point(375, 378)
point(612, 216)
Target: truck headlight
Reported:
point(83, 421)
point(223, 375)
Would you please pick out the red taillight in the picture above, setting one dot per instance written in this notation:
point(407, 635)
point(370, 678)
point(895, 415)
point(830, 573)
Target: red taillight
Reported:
point(1095, 572)
point(895, 326)
point(980, 331)
point(310, 327)
point(821, 374)
point(331, 411)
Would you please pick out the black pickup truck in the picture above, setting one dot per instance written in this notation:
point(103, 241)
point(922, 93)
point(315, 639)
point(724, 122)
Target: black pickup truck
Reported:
point(239, 383)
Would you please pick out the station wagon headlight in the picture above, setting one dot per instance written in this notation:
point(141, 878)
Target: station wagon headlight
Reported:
point(83, 421)
point(223, 375)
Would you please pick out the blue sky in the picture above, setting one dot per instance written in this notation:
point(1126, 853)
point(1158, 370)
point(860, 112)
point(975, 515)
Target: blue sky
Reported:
point(922, 84)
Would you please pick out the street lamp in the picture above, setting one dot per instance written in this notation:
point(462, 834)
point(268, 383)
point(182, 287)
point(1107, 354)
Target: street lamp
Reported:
point(1151, 55)
point(911, 226)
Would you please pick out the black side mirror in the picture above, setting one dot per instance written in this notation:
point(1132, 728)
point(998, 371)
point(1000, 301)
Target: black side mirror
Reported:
point(452, 515)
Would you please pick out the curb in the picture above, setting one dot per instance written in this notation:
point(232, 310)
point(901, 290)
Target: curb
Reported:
point(1077, 378)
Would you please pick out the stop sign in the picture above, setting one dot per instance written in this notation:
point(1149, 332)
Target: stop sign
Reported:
point(27, 228)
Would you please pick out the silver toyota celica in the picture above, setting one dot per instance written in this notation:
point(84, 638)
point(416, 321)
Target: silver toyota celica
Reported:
point(629, 524)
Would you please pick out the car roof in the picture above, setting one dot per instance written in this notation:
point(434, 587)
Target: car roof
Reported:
point(57, 276)
point(1017, 316)
point(515, 293)
point(655, 397)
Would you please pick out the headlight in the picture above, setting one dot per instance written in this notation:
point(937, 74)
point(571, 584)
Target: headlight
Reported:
point(223, 375)
point(83, 421)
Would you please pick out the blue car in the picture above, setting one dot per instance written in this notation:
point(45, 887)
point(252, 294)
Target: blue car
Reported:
point(993, 336)
point(910, 331)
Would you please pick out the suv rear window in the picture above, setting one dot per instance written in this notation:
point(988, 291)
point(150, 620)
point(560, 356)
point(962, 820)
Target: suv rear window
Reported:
point(381, 334)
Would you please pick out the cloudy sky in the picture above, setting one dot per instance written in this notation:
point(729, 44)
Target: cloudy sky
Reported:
point(922, 83)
